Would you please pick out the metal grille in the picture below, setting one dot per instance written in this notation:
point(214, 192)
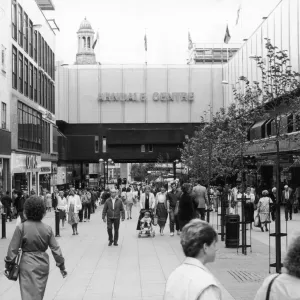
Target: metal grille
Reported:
point(246, 276)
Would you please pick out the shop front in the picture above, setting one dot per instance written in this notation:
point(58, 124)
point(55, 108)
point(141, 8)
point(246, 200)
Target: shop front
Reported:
point(5, 150)
point(45, 176)
point(25, 172)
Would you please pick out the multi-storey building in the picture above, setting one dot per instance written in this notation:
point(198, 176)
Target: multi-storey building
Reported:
point(32, 95)
point(211, 53)
point(5, 135)
point(281, 26)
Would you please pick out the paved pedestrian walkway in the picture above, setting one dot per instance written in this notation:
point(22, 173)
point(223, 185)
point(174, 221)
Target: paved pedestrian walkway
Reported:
point(137, 269)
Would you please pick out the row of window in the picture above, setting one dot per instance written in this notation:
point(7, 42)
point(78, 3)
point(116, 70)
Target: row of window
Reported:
point(31, 82)
point(31, 40)
point(33, 132)
point(3, 115)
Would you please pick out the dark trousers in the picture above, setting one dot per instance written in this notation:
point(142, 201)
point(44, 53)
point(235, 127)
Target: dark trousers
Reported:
point(288, 210)
point(201, 212)
point(87, 210)
point(110, 224)
point(92, 208)
point(7, 210)
point(80, 215)
point(173, 220)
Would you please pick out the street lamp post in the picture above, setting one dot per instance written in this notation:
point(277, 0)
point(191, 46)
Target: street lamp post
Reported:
point(175, 162)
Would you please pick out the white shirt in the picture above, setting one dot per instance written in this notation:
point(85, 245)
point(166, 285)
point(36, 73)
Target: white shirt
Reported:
point(192, 281)
point(113, 200)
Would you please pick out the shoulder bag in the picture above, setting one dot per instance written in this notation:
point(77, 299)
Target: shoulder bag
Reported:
point(12, 273)
point(270, 286)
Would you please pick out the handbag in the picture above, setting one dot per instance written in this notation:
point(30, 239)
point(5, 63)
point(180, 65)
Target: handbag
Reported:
point(270, 286)
point(257, 222)
point(12, 273)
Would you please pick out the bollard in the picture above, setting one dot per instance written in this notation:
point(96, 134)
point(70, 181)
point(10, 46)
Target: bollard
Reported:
point(3, 226)
point(57, 223)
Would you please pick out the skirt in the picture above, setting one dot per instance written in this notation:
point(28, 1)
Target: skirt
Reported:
point(62, 214)
point(73, 218)
point(264, 217)
point(162, 214)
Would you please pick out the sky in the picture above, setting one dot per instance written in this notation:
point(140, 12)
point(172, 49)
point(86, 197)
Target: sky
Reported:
point(122, 25)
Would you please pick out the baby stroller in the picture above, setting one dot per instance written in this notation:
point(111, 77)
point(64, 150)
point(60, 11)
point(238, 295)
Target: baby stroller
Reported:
point(146, 223)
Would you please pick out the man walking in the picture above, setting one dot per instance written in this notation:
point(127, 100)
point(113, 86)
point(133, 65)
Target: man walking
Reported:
point(6, 202)
point(113, 210)
point(288, 200)
point(172, 200)
point(201, 198)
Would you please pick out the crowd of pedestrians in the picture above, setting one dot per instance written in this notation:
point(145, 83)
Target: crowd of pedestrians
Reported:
point(186, 207)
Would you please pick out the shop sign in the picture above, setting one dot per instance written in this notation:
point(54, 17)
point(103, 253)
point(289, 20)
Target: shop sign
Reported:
point(134, 97)
point(31, 162)
point(87, 177)
point(45, 170)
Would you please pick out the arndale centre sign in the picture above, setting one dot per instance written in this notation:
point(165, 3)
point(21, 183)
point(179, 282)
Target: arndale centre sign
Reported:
point(143, 97)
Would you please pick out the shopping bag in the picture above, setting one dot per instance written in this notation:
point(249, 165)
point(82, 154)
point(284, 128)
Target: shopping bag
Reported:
point(155, 220)
point(257, 221)
point(18, 221)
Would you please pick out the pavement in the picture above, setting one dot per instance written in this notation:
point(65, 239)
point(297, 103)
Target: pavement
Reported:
point(138, 268)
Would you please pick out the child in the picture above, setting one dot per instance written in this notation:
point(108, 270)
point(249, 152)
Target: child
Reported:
point(146, 220)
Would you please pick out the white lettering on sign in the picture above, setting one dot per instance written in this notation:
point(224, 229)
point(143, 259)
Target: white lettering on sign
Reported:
point(31, 161)
point(135, 97)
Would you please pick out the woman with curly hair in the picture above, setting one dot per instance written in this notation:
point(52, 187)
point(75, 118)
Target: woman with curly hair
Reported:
point(34, 237)
point(285, 286)
point(192, 280)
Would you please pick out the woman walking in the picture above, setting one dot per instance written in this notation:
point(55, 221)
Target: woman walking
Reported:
point(249, 207)
point(62, 207)
point(161, 209)
point(187, 206)
point(73, 208)
point(34, 237)
point(129, 202)
point(263, 209)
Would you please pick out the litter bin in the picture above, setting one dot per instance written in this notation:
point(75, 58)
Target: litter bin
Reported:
point(232, 239)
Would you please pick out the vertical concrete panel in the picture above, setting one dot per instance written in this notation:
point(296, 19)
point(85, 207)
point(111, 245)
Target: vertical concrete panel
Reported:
point(217, 89)
point(134, 83)
point(156, 82)
point(88, 95)
point(277, 15)
point(111, 82)
point(201, 85)
point(294, 35)
point(72, 95)
point(179, 82)
point(285, 25)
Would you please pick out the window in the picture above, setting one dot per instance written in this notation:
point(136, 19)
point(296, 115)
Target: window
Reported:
point(35, 78)
point(42, 53)
point(14, 29)
point(150, 148)
point(104, 144)
point(3, 115)
point(290, 123)
point(40, 88)
point(96, 144)
point(3, 58)
point(30, 38)
point(31, 81)
point(20, 25)
point(26, 77)
point(89, 42)
point(25, 32)
point(39, 48)
point(53, 66)
point(35, 40)
point(20, 85)
point(45, 137)
point(29, 128)
point(53, 98)
point(14, 68)
point(143, 148)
